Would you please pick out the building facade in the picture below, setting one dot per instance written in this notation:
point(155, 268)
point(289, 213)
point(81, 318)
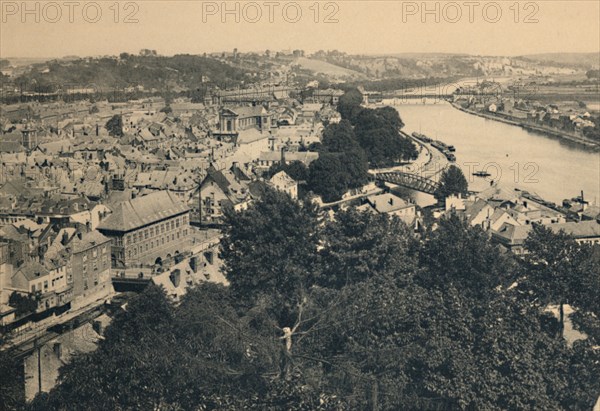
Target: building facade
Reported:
point(90, 261)
point(147, 230)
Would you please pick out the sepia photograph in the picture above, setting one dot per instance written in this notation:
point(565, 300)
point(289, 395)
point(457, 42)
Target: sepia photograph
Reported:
point(310, 205)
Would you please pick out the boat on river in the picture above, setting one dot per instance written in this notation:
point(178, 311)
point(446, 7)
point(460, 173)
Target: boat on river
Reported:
point(481, 174)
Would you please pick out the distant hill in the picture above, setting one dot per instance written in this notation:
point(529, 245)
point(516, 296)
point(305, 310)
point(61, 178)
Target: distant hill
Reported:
point(176, 73)
point(328, 69)
point(25, 61)
point(567, 59)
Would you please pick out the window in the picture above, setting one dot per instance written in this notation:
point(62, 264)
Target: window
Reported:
point(84, 258)
point(33, 288)
point(46, 285)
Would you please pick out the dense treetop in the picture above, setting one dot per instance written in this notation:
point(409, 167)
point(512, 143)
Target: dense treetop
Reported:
point(351, 313)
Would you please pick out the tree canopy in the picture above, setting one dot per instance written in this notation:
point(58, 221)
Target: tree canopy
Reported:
point(347, 313)
point(115, 126)
point(452, 181)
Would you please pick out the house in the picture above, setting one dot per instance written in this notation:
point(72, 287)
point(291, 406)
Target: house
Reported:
point(584, 232)
point(50, 284)
point(267, 158)
point(388, 203)
point(236, 119)
point(283, 182)
point(180, 183)
point(512, 237)
point(329, 96)
point(218, 190)
point(90, 260)
point(147, 230)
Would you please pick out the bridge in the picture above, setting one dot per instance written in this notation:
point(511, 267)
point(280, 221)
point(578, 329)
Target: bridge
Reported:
point(412, 181)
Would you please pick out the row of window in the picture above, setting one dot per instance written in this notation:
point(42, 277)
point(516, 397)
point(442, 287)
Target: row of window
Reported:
point(153, 231)
point(94, 253)
point(44, 286)
point(135, 250)
point(95, 265)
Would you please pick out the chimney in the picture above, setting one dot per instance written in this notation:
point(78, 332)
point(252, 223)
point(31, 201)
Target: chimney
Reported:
point(391, 201)
point(65, 238)
point(97, 130)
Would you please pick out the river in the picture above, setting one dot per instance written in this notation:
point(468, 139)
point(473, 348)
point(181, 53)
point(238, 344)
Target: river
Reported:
point(514, 157)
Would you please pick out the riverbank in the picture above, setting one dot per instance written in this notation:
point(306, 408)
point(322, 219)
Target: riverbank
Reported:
point(538, 129)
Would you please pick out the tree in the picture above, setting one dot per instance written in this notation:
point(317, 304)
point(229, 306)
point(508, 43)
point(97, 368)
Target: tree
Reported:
point(452, 181)
point(24, 304)
point(349, 104)
point(138, 351)
point(357, 246)
point(269, 253)
point(351, 313)
point(458, 255)
point(378, 132)
point(115, 126)
point(593, 74)
point(12, 379)
point(295, 169)
point(340, 138)
point(328, 177)
point(557, 268)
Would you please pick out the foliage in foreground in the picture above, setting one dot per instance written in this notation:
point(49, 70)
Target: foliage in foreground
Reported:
point(353, 313)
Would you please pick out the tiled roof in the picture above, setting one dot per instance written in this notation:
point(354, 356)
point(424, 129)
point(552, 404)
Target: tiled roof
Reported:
point(87, 241)
point(582, 229)
point(142, 211)
point(32, 270)
point(513, 234)
point(387, 202)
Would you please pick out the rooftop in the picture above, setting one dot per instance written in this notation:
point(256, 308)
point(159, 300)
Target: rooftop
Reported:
point(142, 211)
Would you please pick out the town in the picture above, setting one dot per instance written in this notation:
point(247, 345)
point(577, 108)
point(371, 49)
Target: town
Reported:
point(105, 196)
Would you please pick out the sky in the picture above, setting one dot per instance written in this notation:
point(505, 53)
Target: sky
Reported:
point(504, 27)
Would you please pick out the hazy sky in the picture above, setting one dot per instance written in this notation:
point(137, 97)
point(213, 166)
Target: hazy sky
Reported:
point(71, 27)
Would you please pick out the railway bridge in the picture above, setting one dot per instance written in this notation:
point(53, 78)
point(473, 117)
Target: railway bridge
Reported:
point(412, 181)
